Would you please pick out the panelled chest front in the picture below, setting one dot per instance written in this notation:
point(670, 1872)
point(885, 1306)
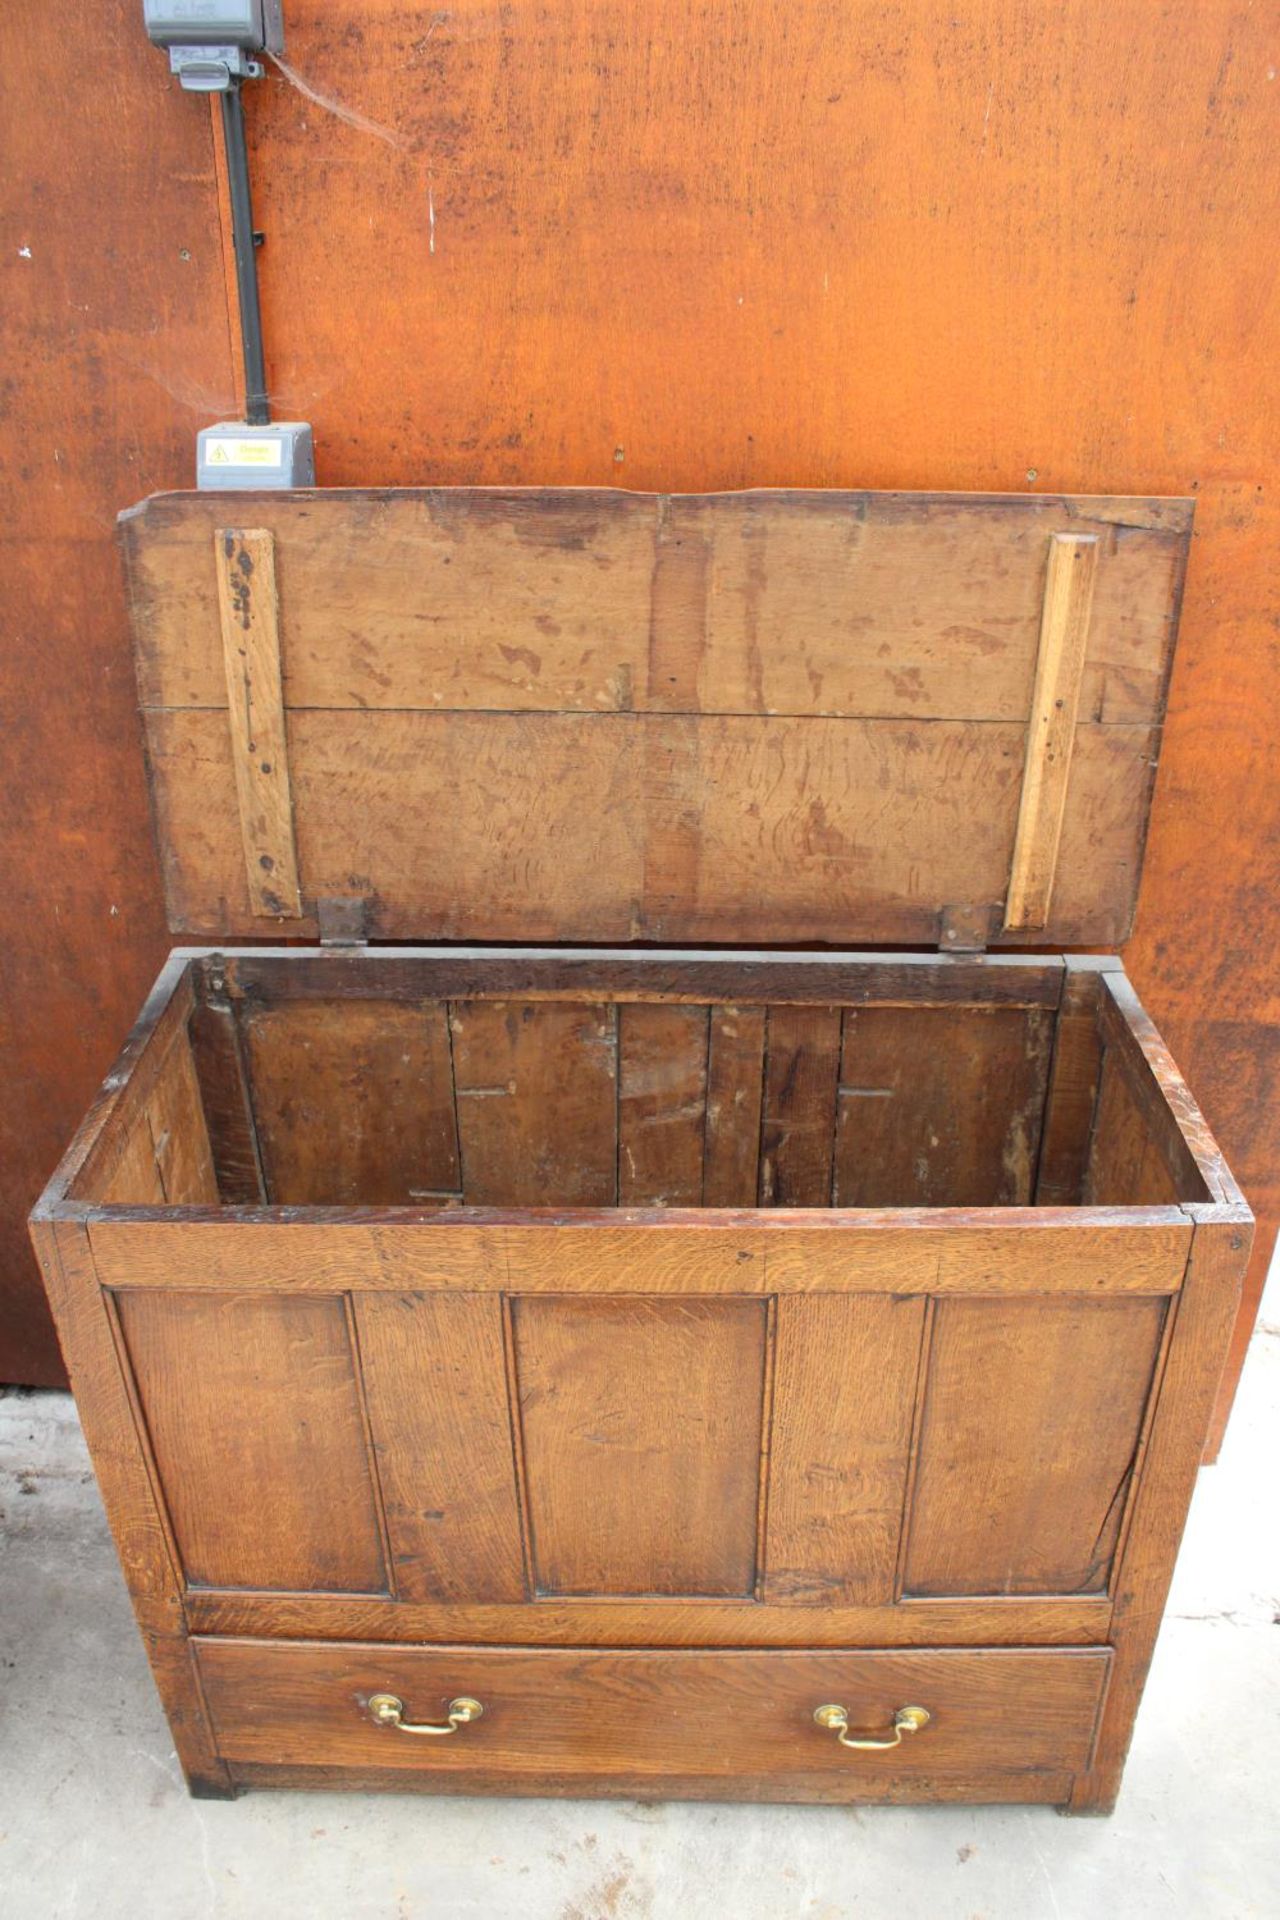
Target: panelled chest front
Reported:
point(637, 1369)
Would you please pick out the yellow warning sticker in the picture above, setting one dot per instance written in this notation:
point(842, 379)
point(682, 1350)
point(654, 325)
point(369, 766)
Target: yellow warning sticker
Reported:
point(226, 452)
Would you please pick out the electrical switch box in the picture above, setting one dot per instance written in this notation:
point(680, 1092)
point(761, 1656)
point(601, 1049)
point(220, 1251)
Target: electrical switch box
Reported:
point(235, 455)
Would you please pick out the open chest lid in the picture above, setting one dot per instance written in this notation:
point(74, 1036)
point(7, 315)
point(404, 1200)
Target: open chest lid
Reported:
point(599, 717)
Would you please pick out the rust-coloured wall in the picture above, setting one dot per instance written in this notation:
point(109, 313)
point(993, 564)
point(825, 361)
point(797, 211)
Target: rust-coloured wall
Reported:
point(700, 243)
point(115, 351)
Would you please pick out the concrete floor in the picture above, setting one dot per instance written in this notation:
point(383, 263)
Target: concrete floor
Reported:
point(94, 1820)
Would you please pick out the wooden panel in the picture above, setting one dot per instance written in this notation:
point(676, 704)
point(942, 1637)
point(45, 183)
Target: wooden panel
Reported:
point(802, 1066)
point(354, 1103)
point(735, 1087)
point(940, 1106)
point(1055, 703)
point(843, 1398)
point(1125, 1165)
point(436, 1381)
point(255, 1422)
point(662, 1105)
point(1072, 1095)
point(1032, 1420)
point(1201, 1331)
point(892, 606)
point(600, 1712)
point(622, 826)
point(161, 1155)
point(1009, 1622)
point(249, 619)
point(1132, 1250)
point(135, 1179)
point(642, 1436)
point(179, 1134)
point(89, 1333)
point(224, 1095)
point(692, 976)
point(537, 1103)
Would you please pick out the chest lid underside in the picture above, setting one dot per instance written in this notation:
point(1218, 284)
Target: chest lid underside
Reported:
point(600, 717)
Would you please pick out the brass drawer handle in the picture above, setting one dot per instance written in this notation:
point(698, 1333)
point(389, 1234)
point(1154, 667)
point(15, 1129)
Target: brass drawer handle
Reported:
point(905, 1720)
point(388, 1710)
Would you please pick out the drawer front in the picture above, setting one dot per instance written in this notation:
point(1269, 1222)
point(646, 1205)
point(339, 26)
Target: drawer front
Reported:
point(557, 1714)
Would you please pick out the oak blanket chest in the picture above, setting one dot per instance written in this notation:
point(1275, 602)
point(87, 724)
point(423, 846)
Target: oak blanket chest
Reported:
point(667, 1349)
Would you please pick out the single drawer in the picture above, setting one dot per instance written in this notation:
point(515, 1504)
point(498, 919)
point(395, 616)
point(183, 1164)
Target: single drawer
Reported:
point(670, 1720)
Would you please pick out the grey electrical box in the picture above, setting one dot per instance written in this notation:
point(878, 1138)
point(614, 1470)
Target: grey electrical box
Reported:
point(211, 43)
point(251, 24)
point(234, 455)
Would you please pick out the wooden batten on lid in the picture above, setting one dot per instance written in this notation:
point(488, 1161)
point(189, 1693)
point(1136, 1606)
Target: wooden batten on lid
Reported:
point(580, 716)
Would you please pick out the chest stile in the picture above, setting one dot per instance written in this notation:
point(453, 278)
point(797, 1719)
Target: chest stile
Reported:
point(652, 1249)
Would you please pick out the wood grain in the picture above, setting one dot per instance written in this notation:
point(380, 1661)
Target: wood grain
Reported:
point(218, 1059)
point(139, 1526)
point(1072, 1093)
point(735, 1087)
point(593, 1712)
point(1007, 1250)
point(537, 1103)
point(560, 825)
point(1033, 1416)
point(1055, 704)
point(608, 1621)
point(662, 1105)
point(1201, 1334)
point(435, 1379)
point(354, 1103)
point(641, 1421)
point(880, 605)
point(940, 1107)
point(250, 623)
point(1125, 1165)
point(253, 1415)
point(843, 1394)
point(802, 1067)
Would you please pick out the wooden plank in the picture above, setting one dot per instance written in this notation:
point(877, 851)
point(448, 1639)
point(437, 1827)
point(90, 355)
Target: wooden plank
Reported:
point(642, 1431)
point(610, 1622)
point(1201, 1333)
point(249, 619)
point(1072, 1094)
point(1006, 1250)
point(1033, 1416)
point(224, 1095)
point(662, 1105)
point(593, 1713)
point(1055, 702)
point(940, 1106)
point(1040, 1788)
point(1125, 1166)
point(844, 1389)
point(354, 1103)
point(435, 1380)
point(121, 1101)
point(808, 603)
point(135, 1179)
point(1178, 1127)
point(802, 1065)
point(180, 1135)
point(243, 1394)
point(735, 1089)
point(598, 827)
point(268, 975)
point(537, 1103)
point(134, 1511)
